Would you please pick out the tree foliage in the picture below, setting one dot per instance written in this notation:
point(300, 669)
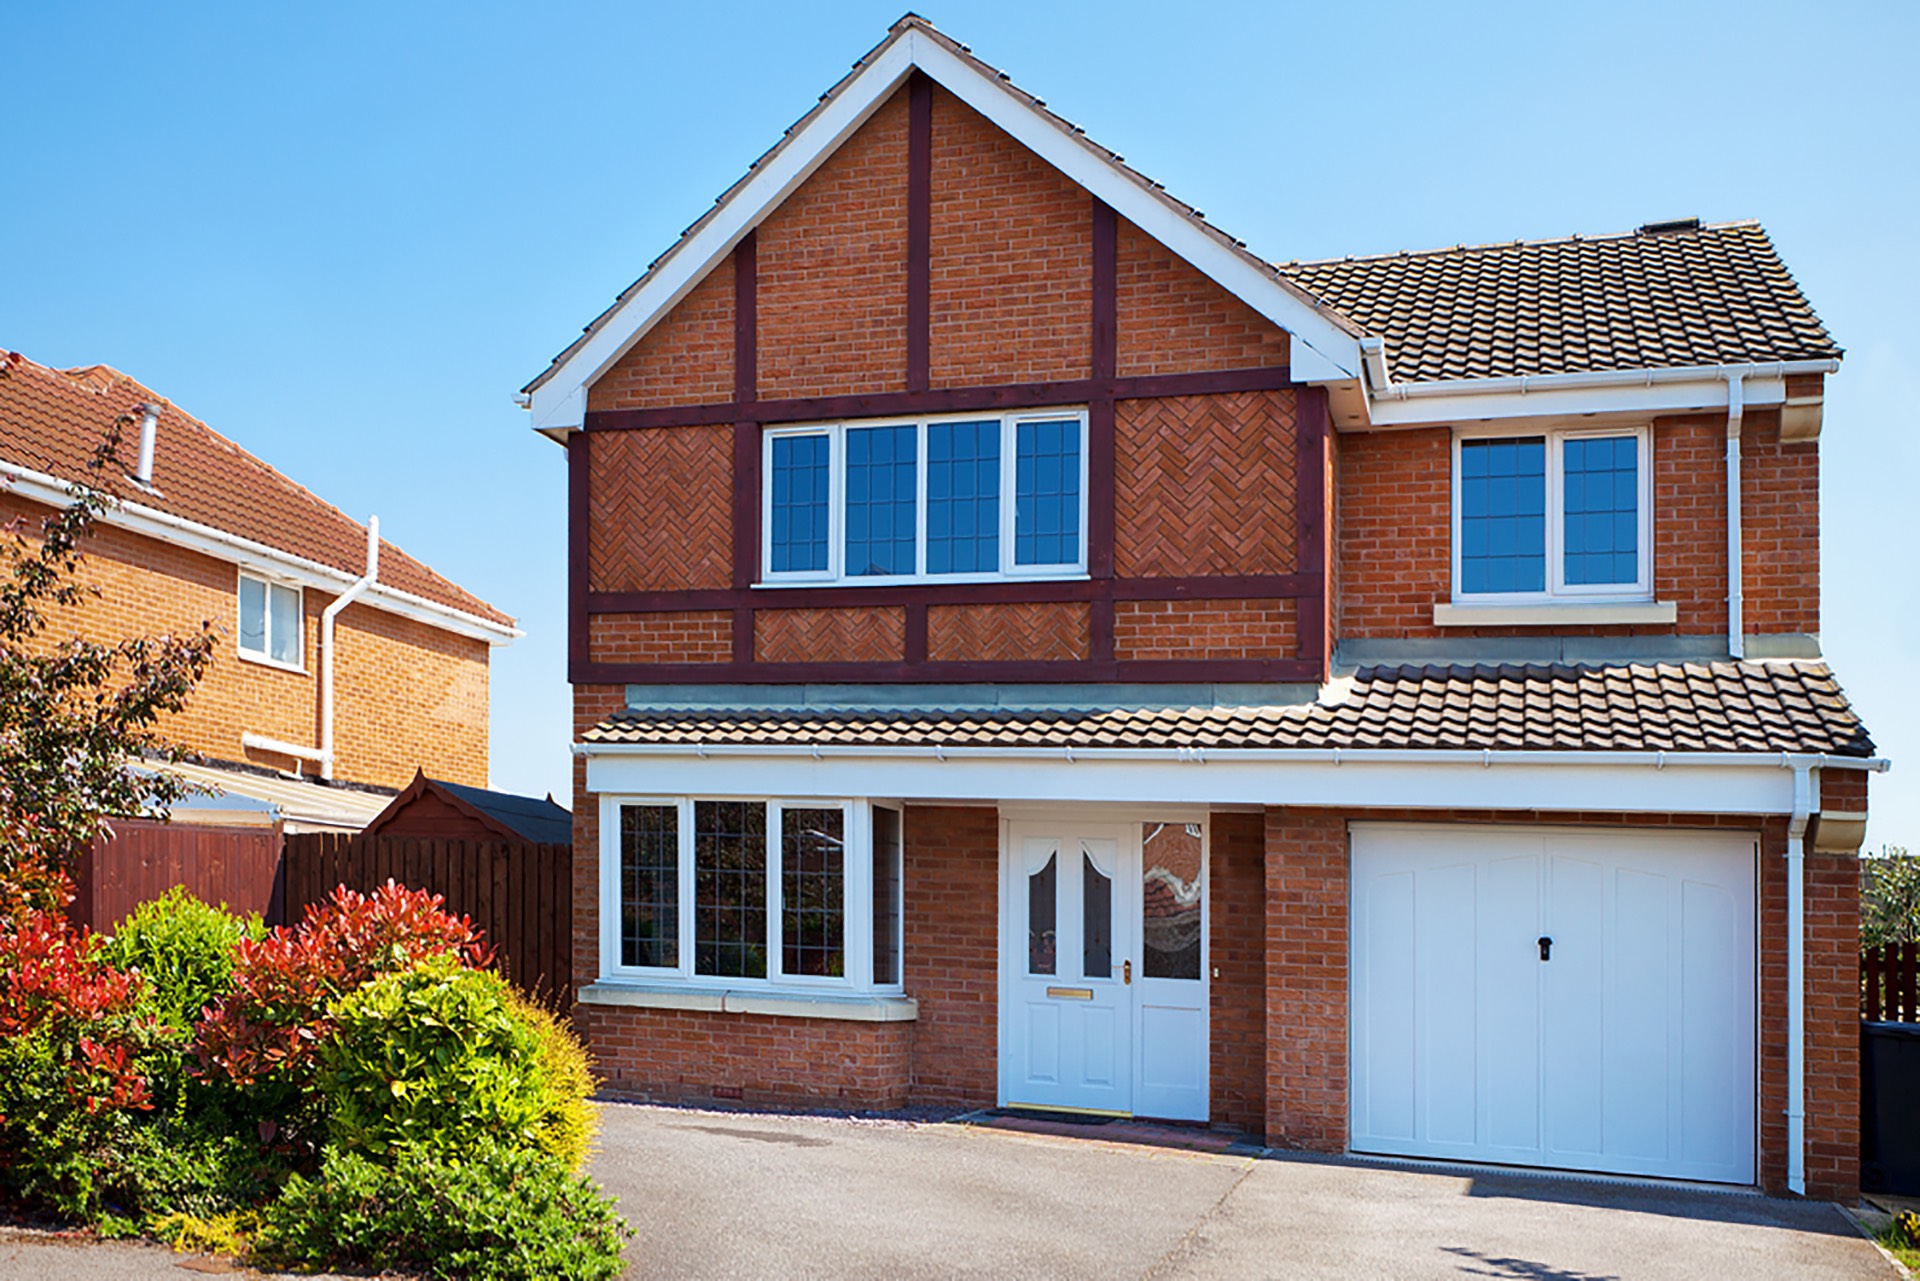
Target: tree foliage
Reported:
point(75, 712)
point(1889, 898)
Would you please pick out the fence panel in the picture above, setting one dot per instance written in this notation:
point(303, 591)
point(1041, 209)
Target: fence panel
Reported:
point(141, 860)
point(1890, 983)
point(520, 895)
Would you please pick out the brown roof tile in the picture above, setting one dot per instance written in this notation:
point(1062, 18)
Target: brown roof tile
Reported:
point(1672, 296)
point(1696, 707)
point(52, 421)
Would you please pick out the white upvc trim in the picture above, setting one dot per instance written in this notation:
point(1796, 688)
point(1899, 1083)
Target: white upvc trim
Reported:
point(1321, 348)
point(1622, 391)
point(1564, 613)
point(879, 1008)
point(244, 552)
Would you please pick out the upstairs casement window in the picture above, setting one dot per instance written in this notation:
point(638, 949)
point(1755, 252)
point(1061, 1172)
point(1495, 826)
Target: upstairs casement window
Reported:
point(753, 893)
point(271, 623)
point(936, 500)
point(1555, 515)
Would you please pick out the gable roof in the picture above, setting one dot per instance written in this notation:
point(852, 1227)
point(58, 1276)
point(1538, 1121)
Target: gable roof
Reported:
point(1324, 341)
point(1668, 295)
point(1747, 707)
point(513, 818)
point(52, 421)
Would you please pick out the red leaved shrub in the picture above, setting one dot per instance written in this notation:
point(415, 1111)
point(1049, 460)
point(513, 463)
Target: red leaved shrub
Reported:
point(53, 988)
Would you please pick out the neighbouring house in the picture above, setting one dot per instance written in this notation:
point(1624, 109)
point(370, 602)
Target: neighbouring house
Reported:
point(1028, 650)
point(433, 809)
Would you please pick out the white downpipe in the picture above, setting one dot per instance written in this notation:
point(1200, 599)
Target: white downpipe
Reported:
point(1803, 783)
point(327, 616)
point(1736, 602)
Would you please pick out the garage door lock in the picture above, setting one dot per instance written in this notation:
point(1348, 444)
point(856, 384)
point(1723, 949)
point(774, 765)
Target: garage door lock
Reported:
point(1546, 948)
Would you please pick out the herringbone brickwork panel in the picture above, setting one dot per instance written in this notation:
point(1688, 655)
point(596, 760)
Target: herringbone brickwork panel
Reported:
point(661, 509)
point(1204, 485)
point(1173, 320)
point(830, 635)
point(696, 636)
point(685, 359)
point(1154, 629)
point(1037, 630)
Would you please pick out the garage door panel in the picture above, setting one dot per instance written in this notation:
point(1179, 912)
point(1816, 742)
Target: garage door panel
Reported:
point(1444, 965)
point(1572, 1027)
point(1638, 1077)
point(1384, 1013)
point(1509, 985)
point(1716, 1027)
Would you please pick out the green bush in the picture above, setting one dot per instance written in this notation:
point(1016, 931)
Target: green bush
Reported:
point(447, 1056)
point(184, 950)
point(568, 1120)
point(493, 1212)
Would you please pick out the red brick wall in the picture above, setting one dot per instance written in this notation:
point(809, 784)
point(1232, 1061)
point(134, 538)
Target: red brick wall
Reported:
point(1041, 630)
point(953, 950)
point(700, 1056)
point(591, 705)
point(685, 636)
point(832, 289)
point(1306, 979)
point(1012, 262)
point(1236, 939)
point(660, 511)
point(685, 359)
point(1393, 521)
point(1173, 320)
point(829, 635)
point(1833, 1026)
point(1224, 629)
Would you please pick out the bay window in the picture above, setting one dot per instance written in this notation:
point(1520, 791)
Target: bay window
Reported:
point(966, 498)
point(752, 893)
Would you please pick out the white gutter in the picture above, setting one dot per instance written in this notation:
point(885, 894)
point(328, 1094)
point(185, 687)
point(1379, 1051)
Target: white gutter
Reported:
point(1525, 383)
point(327, 616)
point(208, 541)
point(1736, 602)
point(1805, 778)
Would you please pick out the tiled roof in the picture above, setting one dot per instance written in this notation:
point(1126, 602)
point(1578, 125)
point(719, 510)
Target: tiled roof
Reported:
point(52, 421)
point(1695, 707)
point(1666, 296)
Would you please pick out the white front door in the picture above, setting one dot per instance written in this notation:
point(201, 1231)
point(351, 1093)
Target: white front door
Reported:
point(1536, 996)
point(1103, 995)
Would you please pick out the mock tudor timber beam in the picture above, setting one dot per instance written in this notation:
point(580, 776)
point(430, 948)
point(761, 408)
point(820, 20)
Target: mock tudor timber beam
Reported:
point(919, 233)
point(746, 436)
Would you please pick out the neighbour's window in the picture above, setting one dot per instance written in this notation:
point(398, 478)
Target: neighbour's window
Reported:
point(1552, 515)
point(270, 621)
point(979, 497)
point(754, 891)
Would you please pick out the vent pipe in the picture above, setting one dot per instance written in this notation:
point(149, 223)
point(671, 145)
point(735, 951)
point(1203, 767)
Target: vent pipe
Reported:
point(149, 429)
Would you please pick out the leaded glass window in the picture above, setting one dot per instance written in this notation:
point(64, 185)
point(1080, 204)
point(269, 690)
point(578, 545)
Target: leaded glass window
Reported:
point(650, 886)
point(1046, 485)
point(730, 889)
point(813, 892)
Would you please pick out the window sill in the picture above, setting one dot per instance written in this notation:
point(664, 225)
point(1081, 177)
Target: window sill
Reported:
point(1558, 614)
point(1065, 575)
point(852, 1007)
point(261, 660)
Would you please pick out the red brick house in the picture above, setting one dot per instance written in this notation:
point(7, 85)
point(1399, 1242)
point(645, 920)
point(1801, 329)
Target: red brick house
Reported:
point(1029, 651)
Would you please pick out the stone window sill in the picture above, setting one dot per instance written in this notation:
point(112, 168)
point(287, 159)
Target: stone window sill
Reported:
point(1568, 614)
point(852, 1007)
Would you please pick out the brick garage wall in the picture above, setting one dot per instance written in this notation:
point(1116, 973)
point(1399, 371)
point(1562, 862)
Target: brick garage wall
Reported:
point(832, 288)
point(830, 635)
point(1012, 258)
point(660, 509)
point(1007, 633)
point(1173, 320)
point(1306, 979)
point(1236, 925)
point(409, 695)
point(1393, 521)
point(591, 705)
point(686, 359)
point(698, 1056)
point(683, 636)
point(953, 950)
point(1204, 485)
point(1204, 629)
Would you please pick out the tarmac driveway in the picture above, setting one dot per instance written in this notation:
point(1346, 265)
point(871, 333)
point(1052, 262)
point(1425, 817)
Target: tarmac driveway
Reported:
point(756, 1195)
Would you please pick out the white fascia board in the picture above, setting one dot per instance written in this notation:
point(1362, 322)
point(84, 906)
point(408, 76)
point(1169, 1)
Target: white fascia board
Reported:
point(247, 554)
point(1335, 354)
point(1595, 782)
point(561, 400)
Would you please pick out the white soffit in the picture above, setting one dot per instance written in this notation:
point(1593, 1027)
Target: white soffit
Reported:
point(1321, 349)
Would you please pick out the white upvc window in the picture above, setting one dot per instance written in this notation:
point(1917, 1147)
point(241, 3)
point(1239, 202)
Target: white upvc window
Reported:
point(752, 893)
point(272, 623)
point(1562, 514)
point(957, 498)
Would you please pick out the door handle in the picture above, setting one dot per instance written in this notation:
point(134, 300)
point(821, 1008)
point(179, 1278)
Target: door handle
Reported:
point(1126, 972)
point(1546, 948)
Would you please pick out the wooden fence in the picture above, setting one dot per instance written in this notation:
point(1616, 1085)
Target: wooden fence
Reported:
point(1890, 983)
point(238, 866)
point(520, 895)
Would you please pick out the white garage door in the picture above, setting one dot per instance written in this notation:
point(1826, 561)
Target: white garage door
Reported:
point(1553, 997)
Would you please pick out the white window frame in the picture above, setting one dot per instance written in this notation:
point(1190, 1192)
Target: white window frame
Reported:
point(265, 656)
point(857, 899)
point(836, 435)
point(1558, 590)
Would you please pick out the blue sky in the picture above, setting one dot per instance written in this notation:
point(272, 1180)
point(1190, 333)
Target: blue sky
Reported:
point(345, 234)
